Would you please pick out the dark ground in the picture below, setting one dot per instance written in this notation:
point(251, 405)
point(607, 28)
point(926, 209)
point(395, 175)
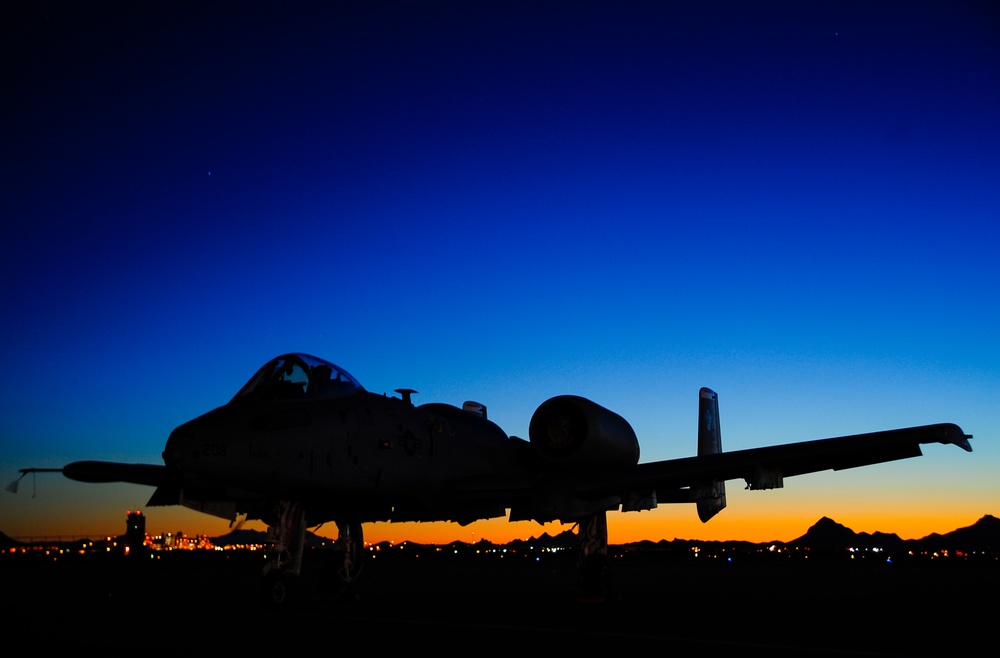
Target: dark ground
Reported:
point(493, 604)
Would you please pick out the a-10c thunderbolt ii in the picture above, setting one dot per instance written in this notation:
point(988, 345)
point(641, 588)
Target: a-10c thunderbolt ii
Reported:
point(303, 444)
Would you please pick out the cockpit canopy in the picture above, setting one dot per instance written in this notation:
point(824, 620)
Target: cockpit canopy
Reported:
point(298, 377)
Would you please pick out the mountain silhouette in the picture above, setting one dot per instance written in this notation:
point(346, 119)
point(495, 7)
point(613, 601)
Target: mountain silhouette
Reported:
point(827, 535)
point(6, 542)
point(565, 539)
point(983, 535)
point(247, 537)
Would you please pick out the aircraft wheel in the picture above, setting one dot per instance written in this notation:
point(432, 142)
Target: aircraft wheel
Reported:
point(277, 590)
point(595, 576)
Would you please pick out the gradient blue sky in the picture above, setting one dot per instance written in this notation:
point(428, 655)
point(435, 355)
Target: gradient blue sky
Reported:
point(795, 204)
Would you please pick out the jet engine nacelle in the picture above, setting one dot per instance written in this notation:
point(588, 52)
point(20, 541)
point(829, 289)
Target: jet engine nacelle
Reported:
point(573, 432)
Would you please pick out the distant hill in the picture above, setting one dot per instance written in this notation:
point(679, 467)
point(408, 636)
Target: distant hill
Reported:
point(827, 534)
point(240, 538)
point(7, 543)
point(251, 537)
point(566, 539)
point(983, 535)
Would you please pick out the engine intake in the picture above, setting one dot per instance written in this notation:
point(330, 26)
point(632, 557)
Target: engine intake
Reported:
point(574, 432)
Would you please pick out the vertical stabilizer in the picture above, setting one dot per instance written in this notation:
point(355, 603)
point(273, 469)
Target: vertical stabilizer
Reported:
point(709, 496)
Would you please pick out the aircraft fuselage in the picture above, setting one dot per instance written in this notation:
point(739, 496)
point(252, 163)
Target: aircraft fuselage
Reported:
point(360, 450)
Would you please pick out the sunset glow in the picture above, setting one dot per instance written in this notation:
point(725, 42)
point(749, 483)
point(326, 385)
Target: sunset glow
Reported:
point(795, 205)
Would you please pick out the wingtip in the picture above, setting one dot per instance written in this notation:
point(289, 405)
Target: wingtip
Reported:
point(964, 444)
point(954, 434)
point(12, 487)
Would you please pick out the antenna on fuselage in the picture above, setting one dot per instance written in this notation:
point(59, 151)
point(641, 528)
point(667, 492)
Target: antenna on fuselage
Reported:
point(406, 393)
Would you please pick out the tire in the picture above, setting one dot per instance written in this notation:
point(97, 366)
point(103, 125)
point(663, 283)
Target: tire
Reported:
point(277, 590)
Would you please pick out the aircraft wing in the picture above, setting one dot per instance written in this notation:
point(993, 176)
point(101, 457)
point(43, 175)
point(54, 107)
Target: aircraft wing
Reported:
point(97, 471)
point(766, 467)
point(153, 475)
point(555, 494)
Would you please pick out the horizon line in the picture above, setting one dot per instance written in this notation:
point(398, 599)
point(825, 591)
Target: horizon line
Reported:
point(99, 536)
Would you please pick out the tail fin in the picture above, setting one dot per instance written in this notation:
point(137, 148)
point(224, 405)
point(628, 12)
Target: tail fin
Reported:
point(709, 496)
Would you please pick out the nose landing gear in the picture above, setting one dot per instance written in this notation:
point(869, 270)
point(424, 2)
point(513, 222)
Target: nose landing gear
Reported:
point(281, 585)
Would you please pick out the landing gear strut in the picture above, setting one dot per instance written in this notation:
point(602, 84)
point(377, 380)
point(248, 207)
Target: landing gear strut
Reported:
point(350, 542)
point(280, 583)
point(594, 567)
point(282, 586)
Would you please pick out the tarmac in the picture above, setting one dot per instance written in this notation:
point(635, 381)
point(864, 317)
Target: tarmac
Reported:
point(496, 604)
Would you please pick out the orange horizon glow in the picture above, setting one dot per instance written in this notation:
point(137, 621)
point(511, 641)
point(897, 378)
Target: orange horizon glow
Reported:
point(665, 523)
point(63, 510)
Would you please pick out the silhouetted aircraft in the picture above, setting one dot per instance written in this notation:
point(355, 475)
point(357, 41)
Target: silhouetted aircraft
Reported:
point(303, 443)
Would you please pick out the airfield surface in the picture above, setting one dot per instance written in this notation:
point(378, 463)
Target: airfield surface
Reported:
point(497, 604)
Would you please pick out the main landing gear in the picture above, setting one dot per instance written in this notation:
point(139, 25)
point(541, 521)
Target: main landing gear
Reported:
point(282, 585)
point(593, 567)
